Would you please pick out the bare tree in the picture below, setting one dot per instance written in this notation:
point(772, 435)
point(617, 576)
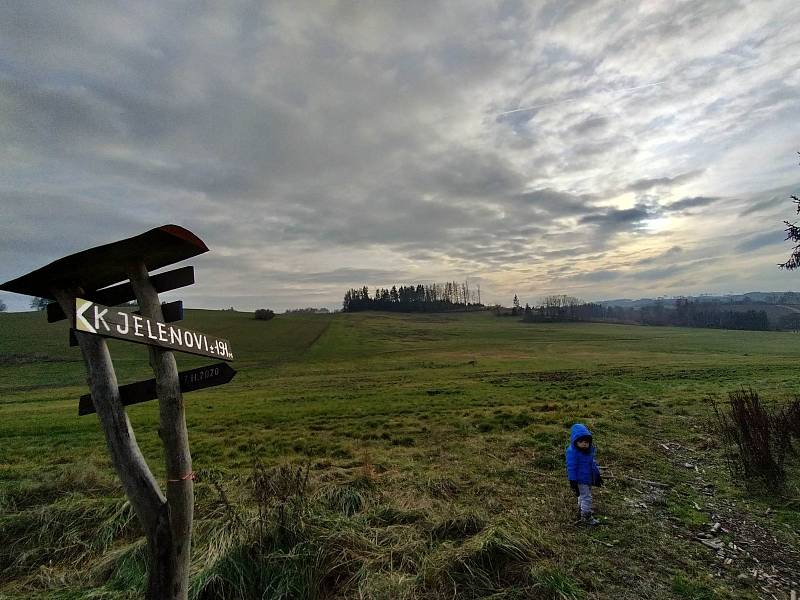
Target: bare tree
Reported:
point(38, 303)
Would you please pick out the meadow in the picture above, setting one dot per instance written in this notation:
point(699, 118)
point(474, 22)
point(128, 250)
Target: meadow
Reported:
point(376, 455)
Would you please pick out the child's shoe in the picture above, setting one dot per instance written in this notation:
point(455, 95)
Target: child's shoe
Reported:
point(588, 519)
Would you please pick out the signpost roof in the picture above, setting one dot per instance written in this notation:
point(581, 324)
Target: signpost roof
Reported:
point(104, 265)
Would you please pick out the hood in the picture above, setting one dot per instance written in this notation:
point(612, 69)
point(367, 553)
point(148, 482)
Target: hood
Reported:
point(578, 430)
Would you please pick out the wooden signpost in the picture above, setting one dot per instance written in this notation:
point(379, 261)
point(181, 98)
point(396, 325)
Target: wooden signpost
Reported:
point(83, 285)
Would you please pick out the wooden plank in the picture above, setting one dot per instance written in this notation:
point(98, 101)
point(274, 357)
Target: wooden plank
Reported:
point(142, 391)
point(102, 266)
point(105, 321)
point(118, 294)
point(173, 311)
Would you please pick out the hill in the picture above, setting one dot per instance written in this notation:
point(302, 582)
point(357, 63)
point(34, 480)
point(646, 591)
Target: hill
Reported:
point(792, 298)
point(404, 456)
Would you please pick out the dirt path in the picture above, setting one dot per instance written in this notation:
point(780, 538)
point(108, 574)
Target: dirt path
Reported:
point(744, 548)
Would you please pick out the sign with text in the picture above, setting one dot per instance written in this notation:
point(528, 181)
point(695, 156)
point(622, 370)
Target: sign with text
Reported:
point(171, 311)
point(91, 317)
point(142, 391)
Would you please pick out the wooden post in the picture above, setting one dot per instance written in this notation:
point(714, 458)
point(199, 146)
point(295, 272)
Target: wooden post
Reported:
point(175, 438)
point(166, 520)
point(137, 480)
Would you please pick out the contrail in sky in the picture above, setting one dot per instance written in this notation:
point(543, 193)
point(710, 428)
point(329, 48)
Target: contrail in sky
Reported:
point(565, 100)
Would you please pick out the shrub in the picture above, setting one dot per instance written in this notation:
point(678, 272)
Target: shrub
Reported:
point(758, 437)
point(264, 314)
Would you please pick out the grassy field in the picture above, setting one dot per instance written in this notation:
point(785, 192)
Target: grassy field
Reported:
point(394, 456)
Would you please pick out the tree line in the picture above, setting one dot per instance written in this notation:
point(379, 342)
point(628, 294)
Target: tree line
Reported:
point(434, 297)
point(686, 313)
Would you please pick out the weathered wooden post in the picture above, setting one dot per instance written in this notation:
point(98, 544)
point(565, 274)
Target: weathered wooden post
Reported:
point(79, 283)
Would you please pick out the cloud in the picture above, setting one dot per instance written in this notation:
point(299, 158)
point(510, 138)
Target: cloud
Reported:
point(384, 142)
point(758, 241)
point(771, 201)
point(614, 220)
point(642, 185)
point(687, 203)
point(669, 255)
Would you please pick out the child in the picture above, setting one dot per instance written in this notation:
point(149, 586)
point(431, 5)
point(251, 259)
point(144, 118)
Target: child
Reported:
point(582, 470)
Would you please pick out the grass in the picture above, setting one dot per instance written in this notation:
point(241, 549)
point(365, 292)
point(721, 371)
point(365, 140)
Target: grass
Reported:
point(392, 456)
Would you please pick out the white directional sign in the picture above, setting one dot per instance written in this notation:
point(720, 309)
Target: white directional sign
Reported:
point(111, 322)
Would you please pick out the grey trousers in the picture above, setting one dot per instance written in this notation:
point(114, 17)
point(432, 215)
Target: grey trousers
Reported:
point(584, 498)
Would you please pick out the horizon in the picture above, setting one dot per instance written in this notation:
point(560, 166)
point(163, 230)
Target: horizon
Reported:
point(175, 295)
point(321, 149)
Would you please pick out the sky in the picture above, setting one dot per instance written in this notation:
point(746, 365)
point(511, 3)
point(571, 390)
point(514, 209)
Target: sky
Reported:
point(597, 149)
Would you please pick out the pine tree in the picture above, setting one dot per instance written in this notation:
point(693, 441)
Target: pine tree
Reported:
point(793, 234)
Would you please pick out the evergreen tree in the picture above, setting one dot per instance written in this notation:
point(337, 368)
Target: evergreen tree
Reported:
point(793, 234)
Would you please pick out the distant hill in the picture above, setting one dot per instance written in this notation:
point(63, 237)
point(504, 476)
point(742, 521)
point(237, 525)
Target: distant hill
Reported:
point(749, 297)
point(782, 309)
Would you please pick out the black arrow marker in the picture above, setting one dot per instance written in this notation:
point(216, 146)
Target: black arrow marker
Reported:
point(142, 391)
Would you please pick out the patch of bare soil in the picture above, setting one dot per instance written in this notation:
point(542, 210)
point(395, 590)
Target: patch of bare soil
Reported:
point(742, 547)
point(760, 558)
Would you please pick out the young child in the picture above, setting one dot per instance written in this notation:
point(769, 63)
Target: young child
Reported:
point(582, 470)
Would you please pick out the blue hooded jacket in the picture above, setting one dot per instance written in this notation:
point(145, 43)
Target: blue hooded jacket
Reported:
point(581, 466)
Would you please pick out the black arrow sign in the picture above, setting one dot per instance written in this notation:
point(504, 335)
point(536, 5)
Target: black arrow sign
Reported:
point(142, 391)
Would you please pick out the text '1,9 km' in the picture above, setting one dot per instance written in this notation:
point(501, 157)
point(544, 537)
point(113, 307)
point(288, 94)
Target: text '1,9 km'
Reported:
point(110, 322)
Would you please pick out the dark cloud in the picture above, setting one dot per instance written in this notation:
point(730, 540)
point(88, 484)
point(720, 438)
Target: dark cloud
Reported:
point(603, 276)
point(643, 185)
point(780, 200)
point(555, 203)
point(668, 255)
point(687, 203)
point(592, 124)
point(756, 242)
point(615, 219)
point(666, 272)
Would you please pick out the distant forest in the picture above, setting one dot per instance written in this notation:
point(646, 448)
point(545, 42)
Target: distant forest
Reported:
point(744, 313)
point(683, 313)
point(435, 297)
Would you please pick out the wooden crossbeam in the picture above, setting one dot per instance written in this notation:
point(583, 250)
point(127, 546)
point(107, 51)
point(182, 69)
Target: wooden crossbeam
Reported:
point(118, 294)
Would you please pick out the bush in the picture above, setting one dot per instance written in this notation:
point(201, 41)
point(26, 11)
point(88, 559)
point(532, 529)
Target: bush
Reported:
point(264, 314)
point(758, 437)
